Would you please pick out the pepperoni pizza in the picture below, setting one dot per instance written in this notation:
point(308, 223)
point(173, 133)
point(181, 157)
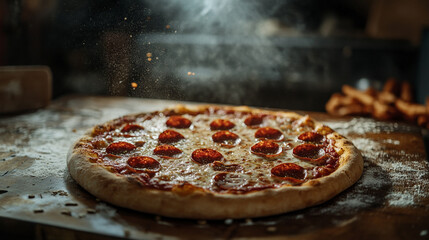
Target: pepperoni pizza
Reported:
point(210, 162)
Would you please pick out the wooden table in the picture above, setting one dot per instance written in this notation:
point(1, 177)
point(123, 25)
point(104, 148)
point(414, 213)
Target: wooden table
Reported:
point(39, 199)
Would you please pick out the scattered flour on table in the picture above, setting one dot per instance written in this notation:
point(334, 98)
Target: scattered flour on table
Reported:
point(400, 183)
point(407, 178)
point(365, 125)
point(47, 135)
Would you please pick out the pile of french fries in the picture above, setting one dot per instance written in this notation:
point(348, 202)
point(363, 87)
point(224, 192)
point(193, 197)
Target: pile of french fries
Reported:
point(394, 102)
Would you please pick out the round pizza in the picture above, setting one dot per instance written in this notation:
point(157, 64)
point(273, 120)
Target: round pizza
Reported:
point(214, 162)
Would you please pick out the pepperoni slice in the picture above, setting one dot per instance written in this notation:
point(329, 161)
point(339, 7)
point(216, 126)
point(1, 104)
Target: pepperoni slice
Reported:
point(170, 136)
point(269, 133)
point(131, 128)
point(288, 170)
point(253, 120)
point(218, 166)
point(221, 124)
point(143, 162)
point(266, 147)
point(310, 137)
point(206, 155)
point(120, 147)
point(227, 181)
point(178, 122)
point(166, 150)
point(310, 152)
point(225, 137)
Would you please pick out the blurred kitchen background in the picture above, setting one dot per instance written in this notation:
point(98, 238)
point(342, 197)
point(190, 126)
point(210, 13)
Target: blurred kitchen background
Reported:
point(289, 54)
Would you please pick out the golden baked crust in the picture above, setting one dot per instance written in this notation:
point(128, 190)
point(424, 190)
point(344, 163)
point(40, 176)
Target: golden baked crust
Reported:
point(188, 201)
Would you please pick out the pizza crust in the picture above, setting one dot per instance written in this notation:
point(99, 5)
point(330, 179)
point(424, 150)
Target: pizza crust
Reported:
point(196, 203)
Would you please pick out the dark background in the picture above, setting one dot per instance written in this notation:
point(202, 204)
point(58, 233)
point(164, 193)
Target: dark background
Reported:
point(288, 54)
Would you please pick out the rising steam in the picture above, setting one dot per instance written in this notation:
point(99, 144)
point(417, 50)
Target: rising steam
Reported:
point(223, 44)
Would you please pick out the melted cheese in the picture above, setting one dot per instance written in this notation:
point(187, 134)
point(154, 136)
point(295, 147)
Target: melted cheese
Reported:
point(256, 169)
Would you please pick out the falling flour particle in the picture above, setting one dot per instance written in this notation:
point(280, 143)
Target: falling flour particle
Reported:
point(228, 221)
point(394, 142)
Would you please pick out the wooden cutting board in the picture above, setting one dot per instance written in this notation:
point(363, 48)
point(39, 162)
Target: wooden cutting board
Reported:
point(38, 198)
point(24, 88)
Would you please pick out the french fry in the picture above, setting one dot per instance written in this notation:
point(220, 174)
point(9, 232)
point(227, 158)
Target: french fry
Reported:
point(348, 101)
point(406, 93)
point(395, 101)
point(371, 91)
point(382, 111)
point(362, 97)
point(338, 101)
point(340, 105)
point(351, 110)
point(410, 111)
point(386, 97)
point(391, 86)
